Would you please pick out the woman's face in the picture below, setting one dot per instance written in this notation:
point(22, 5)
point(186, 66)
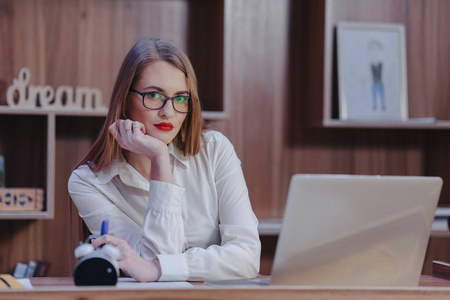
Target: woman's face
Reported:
point(162, 77)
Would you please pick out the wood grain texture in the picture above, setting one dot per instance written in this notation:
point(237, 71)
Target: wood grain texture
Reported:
point(81, 43)
point(58, 291)
point(267, 63)
point(255, 84)
point(75, 43)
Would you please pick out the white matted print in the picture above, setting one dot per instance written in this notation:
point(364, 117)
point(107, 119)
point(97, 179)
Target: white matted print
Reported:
point(372, 72)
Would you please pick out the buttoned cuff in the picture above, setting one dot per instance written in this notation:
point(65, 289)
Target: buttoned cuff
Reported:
point(165, 196)
point(173, 267)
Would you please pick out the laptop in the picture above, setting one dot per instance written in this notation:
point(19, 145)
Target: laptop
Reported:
point(351, 230)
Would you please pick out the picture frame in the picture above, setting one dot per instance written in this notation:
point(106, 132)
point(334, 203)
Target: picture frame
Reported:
point(372, 78)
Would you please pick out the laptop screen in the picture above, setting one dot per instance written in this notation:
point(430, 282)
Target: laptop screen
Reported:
point(350, 230)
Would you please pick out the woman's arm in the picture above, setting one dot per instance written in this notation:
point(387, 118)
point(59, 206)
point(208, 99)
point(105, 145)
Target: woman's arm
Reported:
point(94, 202)
point(97, 201)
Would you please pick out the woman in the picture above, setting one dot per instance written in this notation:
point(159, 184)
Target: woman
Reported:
point(175, 197)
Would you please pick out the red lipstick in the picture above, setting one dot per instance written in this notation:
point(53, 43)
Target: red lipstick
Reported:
point(164, 126)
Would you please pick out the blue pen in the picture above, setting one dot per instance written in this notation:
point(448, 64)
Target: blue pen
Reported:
point(105, 227)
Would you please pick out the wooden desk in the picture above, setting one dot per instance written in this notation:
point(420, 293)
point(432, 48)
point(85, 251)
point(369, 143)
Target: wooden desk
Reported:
point(63, 288)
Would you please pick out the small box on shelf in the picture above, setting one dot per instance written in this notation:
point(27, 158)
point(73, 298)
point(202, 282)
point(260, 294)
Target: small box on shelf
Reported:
point(38, 268)
point(21, 199)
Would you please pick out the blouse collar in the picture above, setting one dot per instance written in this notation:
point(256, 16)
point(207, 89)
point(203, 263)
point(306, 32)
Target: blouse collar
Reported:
point(131, 176)
point(178, 155)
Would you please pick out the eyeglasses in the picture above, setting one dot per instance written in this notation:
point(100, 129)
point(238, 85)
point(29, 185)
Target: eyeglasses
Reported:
point(155, 101)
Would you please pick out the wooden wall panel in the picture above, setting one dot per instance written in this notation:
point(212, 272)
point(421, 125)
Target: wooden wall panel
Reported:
point(21, 145)
point(81, 43)
point(273, 80)
point(74, 135)
point(74, 43)
point(438, 249)
point(277, 145)
point(255, 68)
point(205, 47)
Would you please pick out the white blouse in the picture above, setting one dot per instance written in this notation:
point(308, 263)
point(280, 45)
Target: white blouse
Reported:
point(200, 228)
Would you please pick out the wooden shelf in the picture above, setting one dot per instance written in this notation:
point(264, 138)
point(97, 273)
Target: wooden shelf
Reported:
point(334, 123)
point(268, 227)
point(440, 234)
point(5, 110)
point(192, 25)
point(25, 215)
point(98, 112)
point(42, 152)
point(425, 72)
point(51, 116)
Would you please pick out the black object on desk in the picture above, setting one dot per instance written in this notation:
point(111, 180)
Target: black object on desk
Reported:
point(96, 266)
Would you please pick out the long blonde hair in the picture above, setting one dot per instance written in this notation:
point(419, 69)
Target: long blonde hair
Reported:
point(146, 51)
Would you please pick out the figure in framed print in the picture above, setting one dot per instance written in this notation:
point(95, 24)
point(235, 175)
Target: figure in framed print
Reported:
point(372, 72)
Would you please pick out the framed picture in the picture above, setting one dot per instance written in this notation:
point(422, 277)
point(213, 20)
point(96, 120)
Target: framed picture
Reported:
point(372, 72)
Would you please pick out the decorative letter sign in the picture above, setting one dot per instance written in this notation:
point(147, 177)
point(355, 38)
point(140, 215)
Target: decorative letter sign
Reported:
point(64, 97)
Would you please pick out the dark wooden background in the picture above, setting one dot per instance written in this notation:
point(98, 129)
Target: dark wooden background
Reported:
point(262, 60)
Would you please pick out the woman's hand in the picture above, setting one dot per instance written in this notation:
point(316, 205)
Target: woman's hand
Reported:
point(130, 261)
point(131, 135)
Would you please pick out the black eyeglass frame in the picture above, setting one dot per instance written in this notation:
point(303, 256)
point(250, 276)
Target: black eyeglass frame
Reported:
point(165, 101)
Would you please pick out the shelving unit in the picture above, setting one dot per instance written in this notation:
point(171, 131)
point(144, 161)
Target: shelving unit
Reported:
point(395, 148)
point(335, 123)
point(425, 96)
point(47, 119)
point(51, 117)
point(99, 52)
point(272, 227)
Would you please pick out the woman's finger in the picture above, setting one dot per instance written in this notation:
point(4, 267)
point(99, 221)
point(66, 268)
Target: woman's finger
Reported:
point(125, 126)
point(138, 127)
point(106, 239)
point(113, 129)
